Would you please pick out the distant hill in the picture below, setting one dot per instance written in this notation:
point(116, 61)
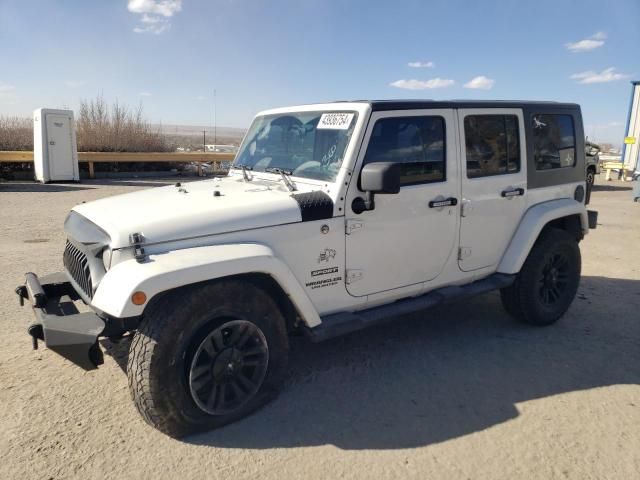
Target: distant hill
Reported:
point(196, 130)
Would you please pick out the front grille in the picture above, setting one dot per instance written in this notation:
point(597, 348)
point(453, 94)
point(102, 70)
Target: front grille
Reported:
point(76, 263)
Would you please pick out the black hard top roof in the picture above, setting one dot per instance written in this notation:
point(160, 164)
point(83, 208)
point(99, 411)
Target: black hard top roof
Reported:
point(382, 105)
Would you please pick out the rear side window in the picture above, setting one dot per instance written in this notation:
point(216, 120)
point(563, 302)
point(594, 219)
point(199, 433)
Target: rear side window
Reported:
point(416, 142)
point(492, 145)
point(554, 141)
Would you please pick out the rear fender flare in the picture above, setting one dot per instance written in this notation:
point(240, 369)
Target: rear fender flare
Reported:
point(532, 223)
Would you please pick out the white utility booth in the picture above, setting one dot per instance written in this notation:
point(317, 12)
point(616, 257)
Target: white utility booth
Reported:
point(55, 154)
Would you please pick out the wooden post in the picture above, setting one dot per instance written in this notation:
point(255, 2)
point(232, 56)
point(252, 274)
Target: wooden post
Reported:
point(92, 173)
point(199, 169)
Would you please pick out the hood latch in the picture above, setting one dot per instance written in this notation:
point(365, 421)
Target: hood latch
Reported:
point(136, 240)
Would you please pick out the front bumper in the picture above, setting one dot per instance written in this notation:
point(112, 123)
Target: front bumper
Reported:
point(64, 329)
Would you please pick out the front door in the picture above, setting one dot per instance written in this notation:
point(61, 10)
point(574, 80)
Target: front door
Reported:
point(494, 183)
point(409, 236)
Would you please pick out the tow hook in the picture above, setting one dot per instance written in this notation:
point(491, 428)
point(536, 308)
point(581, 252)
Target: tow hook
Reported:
point(21, 291)
point(37, 333)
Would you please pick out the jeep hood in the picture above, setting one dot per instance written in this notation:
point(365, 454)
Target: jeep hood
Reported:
point(169, 213)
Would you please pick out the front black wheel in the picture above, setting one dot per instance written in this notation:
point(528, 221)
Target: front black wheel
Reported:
point(591, 177)
point(207, 355)
point(548, 280)
point(228, 367)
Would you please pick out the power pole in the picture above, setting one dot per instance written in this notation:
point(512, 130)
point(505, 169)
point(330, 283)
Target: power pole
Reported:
point(204, 140)
point(215, 129)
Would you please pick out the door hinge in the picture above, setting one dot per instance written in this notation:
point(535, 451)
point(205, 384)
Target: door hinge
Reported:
point(464, 252)
point(352, 225)
point(353, 276)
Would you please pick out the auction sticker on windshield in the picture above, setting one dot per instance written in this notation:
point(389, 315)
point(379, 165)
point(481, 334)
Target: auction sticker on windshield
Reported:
point(335, 121)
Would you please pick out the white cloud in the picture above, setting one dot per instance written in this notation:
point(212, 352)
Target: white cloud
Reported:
point(165, 8)
point(422, 84)
point(607, 75)
point(7, 94)
point(5, 87)
point(74, 83)
point(480, 82)
point(201, 97)
point(421, 64)
point(145, 94)
point(155, 14)
point(594, 41)
point(156, 28)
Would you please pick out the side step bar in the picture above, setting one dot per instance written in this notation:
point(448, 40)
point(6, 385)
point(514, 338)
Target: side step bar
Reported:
point(346, 322)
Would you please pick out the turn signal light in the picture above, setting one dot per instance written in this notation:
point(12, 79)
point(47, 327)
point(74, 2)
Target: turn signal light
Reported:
point(139, 298)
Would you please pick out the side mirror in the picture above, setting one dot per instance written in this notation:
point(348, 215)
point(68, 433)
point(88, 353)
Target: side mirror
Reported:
point(377, 177)
point(380, 177)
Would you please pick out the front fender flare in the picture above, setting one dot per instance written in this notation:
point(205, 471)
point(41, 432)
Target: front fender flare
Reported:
point(532, 223)
point(166, 271)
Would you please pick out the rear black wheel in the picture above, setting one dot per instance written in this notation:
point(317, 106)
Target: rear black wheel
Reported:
point(591, 176)
point(207, 355)
point(548, 280)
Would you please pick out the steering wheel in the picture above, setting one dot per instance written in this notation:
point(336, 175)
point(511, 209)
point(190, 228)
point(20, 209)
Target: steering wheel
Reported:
point(307, 165)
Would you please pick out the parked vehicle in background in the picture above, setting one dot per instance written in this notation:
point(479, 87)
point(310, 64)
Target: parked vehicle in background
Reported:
point(592, 161)
point(333, 217)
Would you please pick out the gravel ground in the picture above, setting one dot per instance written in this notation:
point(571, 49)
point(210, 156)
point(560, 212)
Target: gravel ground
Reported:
point(460, 391)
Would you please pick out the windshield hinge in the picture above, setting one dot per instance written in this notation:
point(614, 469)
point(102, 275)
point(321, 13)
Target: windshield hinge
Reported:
point(352, 225)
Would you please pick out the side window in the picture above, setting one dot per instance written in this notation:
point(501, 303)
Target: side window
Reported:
point(492, 145)
point(554, 141)
point(415, 142)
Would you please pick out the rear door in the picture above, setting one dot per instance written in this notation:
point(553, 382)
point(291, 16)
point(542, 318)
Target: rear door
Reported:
point(408, 237)
point(494, 183)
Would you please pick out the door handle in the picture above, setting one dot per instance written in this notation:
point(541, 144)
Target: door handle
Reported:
point(512, 193)
point(447, 202)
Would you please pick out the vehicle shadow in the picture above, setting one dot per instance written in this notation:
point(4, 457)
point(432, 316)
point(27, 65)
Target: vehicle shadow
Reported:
point(28, 187)
point(609, 188)
point(444, 373)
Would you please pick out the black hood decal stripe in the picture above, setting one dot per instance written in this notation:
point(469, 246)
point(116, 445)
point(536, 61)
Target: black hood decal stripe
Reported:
point(314, 205)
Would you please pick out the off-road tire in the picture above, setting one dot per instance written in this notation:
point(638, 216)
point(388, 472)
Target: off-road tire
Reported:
point(591, 176)
point(524, 300)
point(170, 332)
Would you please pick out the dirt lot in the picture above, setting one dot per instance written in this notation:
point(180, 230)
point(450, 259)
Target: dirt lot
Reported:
point(461, 391)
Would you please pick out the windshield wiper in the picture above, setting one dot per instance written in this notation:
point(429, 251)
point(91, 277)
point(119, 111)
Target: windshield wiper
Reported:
point(285, 177)
point(244, 169)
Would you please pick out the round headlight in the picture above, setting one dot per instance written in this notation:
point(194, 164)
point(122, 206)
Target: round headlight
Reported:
point(106, 258)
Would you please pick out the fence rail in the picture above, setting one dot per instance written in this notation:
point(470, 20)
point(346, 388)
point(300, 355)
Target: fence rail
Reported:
point(117, 157)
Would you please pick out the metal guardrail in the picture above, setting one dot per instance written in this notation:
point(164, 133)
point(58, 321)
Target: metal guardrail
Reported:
point(118, 157)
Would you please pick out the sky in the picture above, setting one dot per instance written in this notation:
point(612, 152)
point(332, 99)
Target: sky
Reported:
point(170, 55)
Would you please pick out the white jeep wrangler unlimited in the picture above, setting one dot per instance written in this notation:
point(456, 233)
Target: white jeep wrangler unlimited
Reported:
point(333, 217)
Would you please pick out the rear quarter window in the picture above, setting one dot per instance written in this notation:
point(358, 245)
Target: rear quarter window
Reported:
point(554, 141)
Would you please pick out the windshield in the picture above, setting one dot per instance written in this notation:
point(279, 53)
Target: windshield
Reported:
point(304, 144)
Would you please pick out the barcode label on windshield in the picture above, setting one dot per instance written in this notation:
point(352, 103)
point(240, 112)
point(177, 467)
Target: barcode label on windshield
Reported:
point(335, 121)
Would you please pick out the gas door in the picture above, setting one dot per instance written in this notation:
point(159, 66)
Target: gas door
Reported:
point(494, 183)
point(59, 147)
point(408, 237)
